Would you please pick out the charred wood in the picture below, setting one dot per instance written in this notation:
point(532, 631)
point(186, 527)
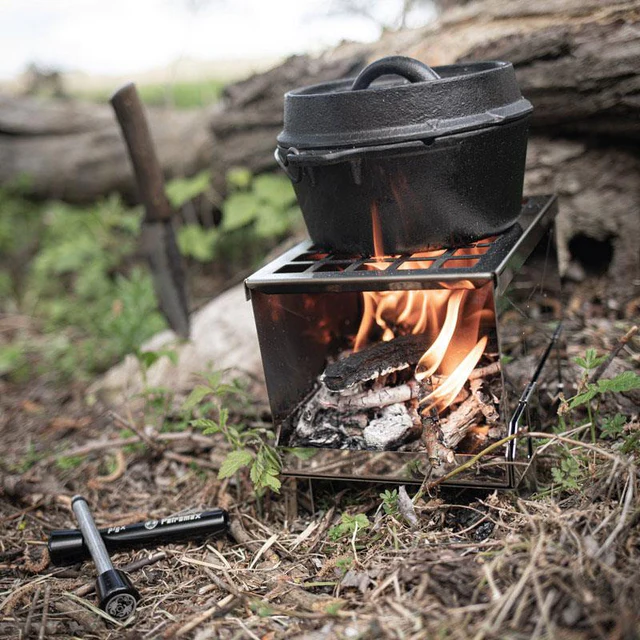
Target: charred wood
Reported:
point(476, 408)
point(376, 398)
point(375, 361)
point(457, 424)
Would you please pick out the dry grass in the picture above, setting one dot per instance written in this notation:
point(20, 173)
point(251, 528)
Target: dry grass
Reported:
point(476, 566)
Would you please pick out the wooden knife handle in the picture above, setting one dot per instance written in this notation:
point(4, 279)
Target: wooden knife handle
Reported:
point(132, 119)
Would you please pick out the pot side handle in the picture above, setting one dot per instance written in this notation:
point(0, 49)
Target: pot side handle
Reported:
point(409, 68)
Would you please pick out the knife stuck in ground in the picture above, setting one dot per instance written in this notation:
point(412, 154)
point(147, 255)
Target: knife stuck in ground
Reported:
point(158, 240)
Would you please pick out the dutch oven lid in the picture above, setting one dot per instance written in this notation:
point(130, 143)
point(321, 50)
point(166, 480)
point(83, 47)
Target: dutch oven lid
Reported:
point(422, 103)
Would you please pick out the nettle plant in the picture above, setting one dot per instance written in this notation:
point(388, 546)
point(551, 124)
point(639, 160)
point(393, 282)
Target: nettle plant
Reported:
point(573, 467)
point(591, 393)
point(251, 445)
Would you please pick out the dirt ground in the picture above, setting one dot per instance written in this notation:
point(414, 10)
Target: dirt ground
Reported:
point(564, 564)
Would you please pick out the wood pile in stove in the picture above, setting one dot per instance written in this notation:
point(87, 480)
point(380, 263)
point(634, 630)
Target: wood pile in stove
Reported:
point(372, 400)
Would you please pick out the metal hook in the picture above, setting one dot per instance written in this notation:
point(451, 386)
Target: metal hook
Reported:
point(294, 172)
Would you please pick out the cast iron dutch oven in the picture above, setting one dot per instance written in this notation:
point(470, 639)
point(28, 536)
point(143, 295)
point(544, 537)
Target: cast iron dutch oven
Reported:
point(434, 157)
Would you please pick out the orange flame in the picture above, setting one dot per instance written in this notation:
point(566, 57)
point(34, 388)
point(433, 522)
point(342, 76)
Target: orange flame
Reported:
point(378, 246)
point(435, 354)
point(450, 318)
point(445, 394)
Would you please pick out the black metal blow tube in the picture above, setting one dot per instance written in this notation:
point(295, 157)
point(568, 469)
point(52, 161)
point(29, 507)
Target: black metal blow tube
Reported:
point(67, 546)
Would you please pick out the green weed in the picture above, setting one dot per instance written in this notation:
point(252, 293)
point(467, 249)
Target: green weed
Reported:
point(569, 474)
point(258, 210)
point(66, 463)
point(390, 502)
point(349, 526)
point(589, 393)
point(74, 270)
point(250, 447)
point(30, 458)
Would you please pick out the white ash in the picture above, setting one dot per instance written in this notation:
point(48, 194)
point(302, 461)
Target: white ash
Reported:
point(391, 429)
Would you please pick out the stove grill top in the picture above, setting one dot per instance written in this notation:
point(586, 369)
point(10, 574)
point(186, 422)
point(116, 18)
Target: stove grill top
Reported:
point(306, 269)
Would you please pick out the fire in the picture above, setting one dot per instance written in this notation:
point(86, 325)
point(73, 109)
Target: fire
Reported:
point(450, 320)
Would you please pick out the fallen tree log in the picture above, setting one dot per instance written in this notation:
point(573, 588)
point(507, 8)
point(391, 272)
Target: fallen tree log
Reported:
point(74, 151)
point(576, 60)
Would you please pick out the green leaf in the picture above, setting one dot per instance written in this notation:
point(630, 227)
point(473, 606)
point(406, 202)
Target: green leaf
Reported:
point(239, 209)
point(197, 395)
point(584, 398)
point(65, 463)
point(631, 443)
point(360, 519)
point(205, 423)
point(214, 428)
point(239, 178)
point(258, 468)
point(234, 461)
point(349, 524)
point(272, 459)
point(171, 355)
point(223, 417)
point(333, 608)
point(149, 358)
point(261, 608)
point(274, 189)
point(627, 381)
point(12, 357)
point(613, 428)
point(213, 379)
point(272, 222)
point(196, 242)
point(272, 482)
point(591, 360)
point(181, 190)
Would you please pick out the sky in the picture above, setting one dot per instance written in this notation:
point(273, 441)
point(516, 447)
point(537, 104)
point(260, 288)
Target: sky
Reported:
point(113, 37)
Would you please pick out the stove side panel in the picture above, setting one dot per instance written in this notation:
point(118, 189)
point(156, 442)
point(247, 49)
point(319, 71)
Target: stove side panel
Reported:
point(296, 332)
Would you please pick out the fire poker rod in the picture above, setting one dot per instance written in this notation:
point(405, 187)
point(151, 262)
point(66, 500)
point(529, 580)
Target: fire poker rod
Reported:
point(68, 546)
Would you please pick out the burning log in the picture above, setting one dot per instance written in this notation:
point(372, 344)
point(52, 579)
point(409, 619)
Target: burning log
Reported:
point(375, 361)
point(376, 398)
point(458, 423)
point(384, 418)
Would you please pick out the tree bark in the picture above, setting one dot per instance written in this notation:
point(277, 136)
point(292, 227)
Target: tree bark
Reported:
point(599, 194)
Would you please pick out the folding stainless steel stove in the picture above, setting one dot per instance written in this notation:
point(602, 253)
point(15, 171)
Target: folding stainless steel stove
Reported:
point(310, 309)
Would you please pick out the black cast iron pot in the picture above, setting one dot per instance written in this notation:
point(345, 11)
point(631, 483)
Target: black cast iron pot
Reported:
point(433, 158)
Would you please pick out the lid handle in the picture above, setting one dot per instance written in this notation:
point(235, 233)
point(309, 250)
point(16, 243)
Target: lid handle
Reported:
point(409, 68)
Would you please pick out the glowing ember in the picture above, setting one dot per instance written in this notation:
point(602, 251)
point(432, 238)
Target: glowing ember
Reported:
point(450, 319)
